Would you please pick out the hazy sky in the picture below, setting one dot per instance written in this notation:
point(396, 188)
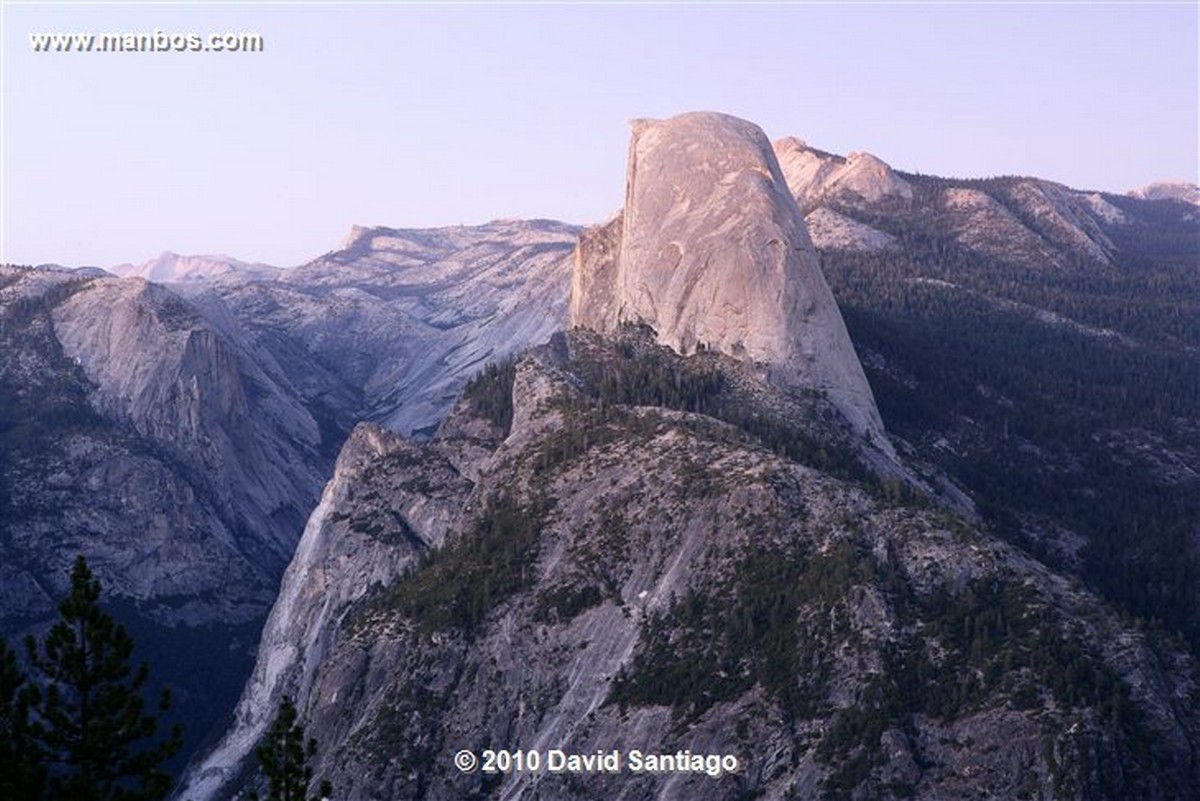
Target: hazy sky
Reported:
point(421, 115)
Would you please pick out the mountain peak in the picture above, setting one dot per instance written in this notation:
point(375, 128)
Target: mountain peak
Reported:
point(815, 175)
point(1169, 190)
point(711, 251)
point(169, 267)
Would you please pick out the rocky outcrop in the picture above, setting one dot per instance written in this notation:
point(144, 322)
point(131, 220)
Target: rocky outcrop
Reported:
point(711, 252)
point(390, 326)
point(161, 369)
point(1182, 191)
point(388, 500)
point(175, 458)
point(1021, 220)
point(147, 440)
point(171, 268)
point(833, 231)
point(816, 177)
point(633, 576)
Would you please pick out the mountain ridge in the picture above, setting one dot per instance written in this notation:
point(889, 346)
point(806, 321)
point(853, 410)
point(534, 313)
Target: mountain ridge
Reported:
point(626, 490)
point(1075, 400)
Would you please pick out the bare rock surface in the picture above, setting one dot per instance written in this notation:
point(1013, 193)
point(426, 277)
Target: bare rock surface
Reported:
point(815, 176)
point(713, 253)
point(170, 268)
point(390, 326)
point(632, 576)
point(831, 230)
point(1184, 191)
point(387, 501)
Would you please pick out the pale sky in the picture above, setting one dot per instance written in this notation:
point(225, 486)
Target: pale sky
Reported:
point(423, 115)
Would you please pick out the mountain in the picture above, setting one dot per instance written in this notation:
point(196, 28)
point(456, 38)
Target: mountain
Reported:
point(123, 404)
point(389, 326)
point(1039, 344)
point(710, 251)
point(814, 175)
point(622, 573)
point(178, 434)
point(173, 456)
point(1031, 384)
point(623, 541)
point(170, 268)
point(1169, 190)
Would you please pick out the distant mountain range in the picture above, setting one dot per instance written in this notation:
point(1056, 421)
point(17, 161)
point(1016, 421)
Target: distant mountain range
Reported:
point(171, 268)
point(1169, 190)
point(860, 544)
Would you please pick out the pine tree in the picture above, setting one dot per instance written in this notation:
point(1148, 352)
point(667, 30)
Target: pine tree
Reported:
point(284, 758)
point(87, 716)
point(21, 772)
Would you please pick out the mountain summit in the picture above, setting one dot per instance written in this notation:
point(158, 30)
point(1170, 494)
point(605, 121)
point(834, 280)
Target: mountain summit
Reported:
point(711, 251)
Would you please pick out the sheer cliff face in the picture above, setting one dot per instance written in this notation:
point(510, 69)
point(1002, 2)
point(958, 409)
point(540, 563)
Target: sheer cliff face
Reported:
point(387, 501)
point(711, 251)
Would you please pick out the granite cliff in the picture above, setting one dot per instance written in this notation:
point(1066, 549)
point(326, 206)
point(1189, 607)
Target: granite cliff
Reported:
point(621, 571)
point(710, 251)
point(654, 533)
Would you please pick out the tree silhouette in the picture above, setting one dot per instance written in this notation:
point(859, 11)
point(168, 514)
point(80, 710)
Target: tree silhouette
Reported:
point(86, 716)
point(21, 772)
point(284, 756)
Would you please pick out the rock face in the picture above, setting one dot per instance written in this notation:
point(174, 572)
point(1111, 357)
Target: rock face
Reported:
point(170, 268)
point(1169, 190)
point(178, 433)
point(160, 368)
point(625, 574)
point(141, 436)
point(710, 251)
point(389, 327)
point(180, 461)
point(814, 176)
point(342, 556)
point(1022, 220)
point(833, 231)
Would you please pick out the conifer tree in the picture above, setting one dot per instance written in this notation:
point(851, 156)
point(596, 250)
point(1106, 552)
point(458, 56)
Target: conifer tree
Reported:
point(21, 772)
point(284, 757)
point(87, 718)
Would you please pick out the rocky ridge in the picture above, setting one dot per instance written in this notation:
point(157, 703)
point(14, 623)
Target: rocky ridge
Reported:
point(178, 433)
point(1169, 190)
point(164, 421)
point(1027, 220)
point(815, 176)
point(389, 327)
point(648, 554)
point(171, 268)
point(77, 469)
point(593, 592)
